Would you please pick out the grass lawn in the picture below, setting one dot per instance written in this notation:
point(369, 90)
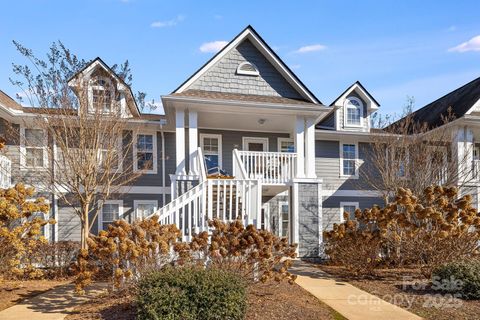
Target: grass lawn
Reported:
point(265, 302)
point(408, 289)
point(13, 292)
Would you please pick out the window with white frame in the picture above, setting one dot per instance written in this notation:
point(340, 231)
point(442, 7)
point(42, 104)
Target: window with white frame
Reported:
point(111, 210)
point(349, 208)
point(353, 112)
point(110, 157)
point(348, 159)
point(102, 94)
point(286, 145)
point(145, 152)
point(284, 221)
point(211, 145)
point(34, 144)
point(144, 208)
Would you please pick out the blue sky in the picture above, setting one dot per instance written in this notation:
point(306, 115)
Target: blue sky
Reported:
point(395, 48)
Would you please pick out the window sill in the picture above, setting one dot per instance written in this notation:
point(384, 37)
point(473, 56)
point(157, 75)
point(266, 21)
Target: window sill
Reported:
point(346, 177)
point(154, 171)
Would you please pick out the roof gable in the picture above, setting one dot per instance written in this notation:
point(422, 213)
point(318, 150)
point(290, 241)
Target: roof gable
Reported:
point(361, 91)
point(274, 79)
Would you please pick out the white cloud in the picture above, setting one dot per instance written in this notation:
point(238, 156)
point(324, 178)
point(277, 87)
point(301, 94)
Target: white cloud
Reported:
point(213, 46)
point(470, 45)
point(311, 48)
point(168, 23)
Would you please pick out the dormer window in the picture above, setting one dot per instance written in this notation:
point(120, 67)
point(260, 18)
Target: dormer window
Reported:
point(247, 68)
point(101, 92)
point(353, 112)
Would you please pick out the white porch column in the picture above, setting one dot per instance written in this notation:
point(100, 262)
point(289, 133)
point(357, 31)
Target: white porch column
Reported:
point(193, 140)
point(310, 148)
point(300, 145)
point(180, 140)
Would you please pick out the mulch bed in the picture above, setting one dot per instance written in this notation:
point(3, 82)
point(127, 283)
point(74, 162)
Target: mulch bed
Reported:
point(265, 302)
point(13, 292)
point(408, 289)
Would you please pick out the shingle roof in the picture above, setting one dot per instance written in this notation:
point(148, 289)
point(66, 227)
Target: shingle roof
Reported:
point(215, 95)
point(460, 100)
point(7, 101)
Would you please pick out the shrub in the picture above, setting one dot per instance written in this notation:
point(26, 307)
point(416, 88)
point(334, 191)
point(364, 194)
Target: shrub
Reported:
point(254, 254)
point(425, 231)
point(57, 257)
point(123, 251)
point(191, 293)
point(20, 231)
point(459, 277)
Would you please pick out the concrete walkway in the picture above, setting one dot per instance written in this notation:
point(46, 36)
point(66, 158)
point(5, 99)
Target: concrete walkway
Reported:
point(346, 299)
point(54, 304)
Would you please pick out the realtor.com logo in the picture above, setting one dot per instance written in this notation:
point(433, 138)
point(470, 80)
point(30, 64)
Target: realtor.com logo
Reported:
point(428, 296)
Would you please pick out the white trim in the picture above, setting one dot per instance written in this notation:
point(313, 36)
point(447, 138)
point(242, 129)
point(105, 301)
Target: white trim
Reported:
point(100, 215)
point(247, 140)
point(137, 202)
point(357, 162)
point(345, 112)
point(248, 33)
point(351, 193)
point(371, 105)
point(144, 190)
point(280, 220)
point(474, 108)
point(279, 143)
point(344, 204)
point(220, 151)
point(266, 216)
point(155, 160)
point(23, 151)
point(247, 72)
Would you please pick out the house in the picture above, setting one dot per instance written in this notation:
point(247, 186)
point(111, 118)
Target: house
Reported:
point(292, 162)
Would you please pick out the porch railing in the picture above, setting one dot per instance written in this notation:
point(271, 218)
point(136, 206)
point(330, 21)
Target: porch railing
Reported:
point(5, 172)
point(476, 169)
point(269, 167)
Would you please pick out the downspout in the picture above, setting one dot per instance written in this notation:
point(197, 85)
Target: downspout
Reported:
point(163, 167)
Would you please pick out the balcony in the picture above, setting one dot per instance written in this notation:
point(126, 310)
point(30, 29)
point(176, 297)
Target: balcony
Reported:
point(274, 168)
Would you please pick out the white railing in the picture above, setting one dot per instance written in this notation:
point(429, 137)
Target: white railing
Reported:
point(201, 165)
point(5, 172)
point(476, 169)
point(269, 167)
point(224, 199)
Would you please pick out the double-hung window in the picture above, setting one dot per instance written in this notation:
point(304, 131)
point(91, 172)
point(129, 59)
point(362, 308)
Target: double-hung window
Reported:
point(111, 210)
point(348, 207)
point(349, 159)
point(212, 151)
point(102, 94)
point(144, 208)
point(353, 112)
point(145, 152)
point(34, 144)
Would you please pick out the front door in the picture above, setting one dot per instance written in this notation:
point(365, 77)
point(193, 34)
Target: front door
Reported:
point(255, 144)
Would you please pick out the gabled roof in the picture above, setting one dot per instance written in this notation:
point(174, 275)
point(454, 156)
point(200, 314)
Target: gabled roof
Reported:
point(361, 88)
point(7, 101)
point(460, 100)
point(98, 61)
point(250, 34)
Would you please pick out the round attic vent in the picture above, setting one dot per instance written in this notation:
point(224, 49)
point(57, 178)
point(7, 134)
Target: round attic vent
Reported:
point(247, 68)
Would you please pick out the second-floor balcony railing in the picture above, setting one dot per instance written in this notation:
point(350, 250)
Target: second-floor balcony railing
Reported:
point(270, 167)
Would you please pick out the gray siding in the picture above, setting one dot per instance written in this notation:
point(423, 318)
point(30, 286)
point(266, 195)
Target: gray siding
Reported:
point(331, 208)
point(222, 76)
point(341, 115)
point(68, 224)
point(327, 166)
point(233, 139)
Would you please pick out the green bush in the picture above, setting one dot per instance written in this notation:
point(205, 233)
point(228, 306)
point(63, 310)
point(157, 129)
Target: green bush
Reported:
point(191, 294)
point(459, 277)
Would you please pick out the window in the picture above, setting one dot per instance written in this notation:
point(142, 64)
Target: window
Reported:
point(144, 208)
point(348, 160)
point(145, 152)
point(353, 112)
point(101, 92)
point(34, 144)
point(248, 69)
point(109, 157)
point(212, 150)
point(111, 211)
point(284, 213)
point(348, 207)
point(286, 145)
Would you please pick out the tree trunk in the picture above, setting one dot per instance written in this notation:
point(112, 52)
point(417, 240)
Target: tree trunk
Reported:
point(85, 230)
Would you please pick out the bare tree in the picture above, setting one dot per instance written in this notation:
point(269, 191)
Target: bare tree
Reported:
point(410, 154)
point(82, 127)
